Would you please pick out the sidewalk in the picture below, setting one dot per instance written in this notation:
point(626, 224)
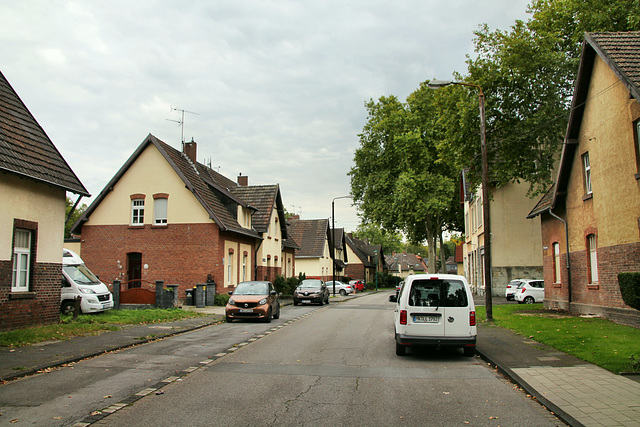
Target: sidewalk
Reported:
point(579, 393)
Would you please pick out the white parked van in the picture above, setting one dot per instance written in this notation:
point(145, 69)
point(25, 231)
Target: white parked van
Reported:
point(78, 280)
point(435, 310)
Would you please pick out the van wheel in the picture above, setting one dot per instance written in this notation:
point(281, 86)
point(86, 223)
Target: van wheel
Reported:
point(529, 300)
point(400, 350)
point(68, 307)
point(469, 351)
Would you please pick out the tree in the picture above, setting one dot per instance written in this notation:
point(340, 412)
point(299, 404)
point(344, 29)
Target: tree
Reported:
point(390, 241)
point(77, 213)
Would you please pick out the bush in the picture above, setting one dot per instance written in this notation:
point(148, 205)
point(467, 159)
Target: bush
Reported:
point(221, 299)
point(286, 286)
point(630, 289)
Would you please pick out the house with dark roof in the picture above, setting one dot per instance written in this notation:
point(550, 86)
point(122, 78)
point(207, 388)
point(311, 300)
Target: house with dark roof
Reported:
point(340, 252)
point(164, 216)
point(34, 179)
point(404, 264)
point(590, 217)
point(314, 257)
point(363, 259)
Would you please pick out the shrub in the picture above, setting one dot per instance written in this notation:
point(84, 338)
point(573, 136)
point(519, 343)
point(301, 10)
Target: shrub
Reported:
point(630, 289)
point(221, 299)
point(286, 286)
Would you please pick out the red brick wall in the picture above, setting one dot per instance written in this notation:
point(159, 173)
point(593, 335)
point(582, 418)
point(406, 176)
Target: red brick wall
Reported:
point(41, 305)
point(355, 271)
point(182, 254)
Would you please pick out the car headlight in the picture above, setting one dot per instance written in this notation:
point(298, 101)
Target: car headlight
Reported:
point(87, 291)
point(263, 301)
point(231, 301)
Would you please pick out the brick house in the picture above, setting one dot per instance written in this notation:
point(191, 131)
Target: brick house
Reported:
point(314, 257)
point(34, 179)
point(590, 218)
point(164, 216)
point(363, 259)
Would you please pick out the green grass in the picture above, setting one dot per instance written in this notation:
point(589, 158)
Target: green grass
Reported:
point(90, 324)
point(598, 341)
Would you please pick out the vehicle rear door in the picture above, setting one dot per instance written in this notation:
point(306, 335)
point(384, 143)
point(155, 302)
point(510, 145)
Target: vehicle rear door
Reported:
point(425, 314)
point(456, 308)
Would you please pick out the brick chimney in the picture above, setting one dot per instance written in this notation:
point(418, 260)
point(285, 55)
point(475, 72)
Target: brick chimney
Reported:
point(296, 216)
point(190, 150)
point(243, 181)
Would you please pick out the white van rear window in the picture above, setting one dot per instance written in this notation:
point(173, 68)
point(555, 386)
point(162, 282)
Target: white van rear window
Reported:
point(438, 293)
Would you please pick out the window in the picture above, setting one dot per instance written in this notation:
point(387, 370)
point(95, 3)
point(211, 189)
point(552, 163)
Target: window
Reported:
point(137, 212)
point(160, 211)
point(556, 262)
point(21, 260)
point(592, 253)
point(587, 173)
point(438, 293)
point(229, 268)
point(244, 267)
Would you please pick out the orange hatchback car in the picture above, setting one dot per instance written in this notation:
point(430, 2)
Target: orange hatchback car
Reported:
point(253, 300)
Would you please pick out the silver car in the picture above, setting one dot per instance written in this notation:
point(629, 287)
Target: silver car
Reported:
point(341, 288)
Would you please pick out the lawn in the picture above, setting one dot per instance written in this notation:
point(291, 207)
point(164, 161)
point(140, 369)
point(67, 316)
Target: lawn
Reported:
point(598, 341)
point(90, 324)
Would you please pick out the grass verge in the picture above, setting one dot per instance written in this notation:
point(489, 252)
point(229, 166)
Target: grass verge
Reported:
point(598, 341)
point(90, 324)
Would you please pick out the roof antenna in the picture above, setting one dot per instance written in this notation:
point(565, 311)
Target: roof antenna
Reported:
point(181, 121)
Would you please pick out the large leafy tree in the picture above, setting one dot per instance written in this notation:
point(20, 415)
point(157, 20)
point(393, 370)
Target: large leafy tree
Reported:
point(390, 241)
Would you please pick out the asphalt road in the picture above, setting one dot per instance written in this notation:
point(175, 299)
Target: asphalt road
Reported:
point(336, 366)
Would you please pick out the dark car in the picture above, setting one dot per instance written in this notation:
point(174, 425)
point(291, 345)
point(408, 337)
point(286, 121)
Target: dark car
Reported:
point(311, 291)
point(253, 300)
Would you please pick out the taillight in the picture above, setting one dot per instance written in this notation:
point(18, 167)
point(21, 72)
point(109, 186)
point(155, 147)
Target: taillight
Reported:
point(522, 291)
point(403, 317)
point(472, 318)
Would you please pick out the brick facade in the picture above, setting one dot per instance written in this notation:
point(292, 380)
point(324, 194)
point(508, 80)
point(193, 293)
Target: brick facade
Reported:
point(41, 305)
point(182, 254)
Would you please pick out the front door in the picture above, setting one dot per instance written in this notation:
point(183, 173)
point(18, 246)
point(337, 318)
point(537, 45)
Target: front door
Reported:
point(134, 269)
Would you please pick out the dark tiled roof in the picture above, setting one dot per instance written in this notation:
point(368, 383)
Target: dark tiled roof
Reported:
point(25, 148)
point(208, 187)
point(261, 197)
point(310, 235)
point(364, 251)
point(406, 261)
point(621, 52)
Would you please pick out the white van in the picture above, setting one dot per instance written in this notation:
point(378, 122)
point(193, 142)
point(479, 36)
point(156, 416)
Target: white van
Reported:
point(435, 310)
point(78, 280)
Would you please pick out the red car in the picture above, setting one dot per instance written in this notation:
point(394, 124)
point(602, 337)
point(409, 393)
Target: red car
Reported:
point(358, 285)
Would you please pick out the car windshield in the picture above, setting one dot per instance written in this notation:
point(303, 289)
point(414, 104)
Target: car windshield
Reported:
point(250, 288)
point(438, 293)
point(81, 274)
point(311, 284)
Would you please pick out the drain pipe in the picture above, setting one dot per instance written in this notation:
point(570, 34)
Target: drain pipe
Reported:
point(566, 236)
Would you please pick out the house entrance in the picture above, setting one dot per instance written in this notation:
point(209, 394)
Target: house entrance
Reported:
point(134, 269)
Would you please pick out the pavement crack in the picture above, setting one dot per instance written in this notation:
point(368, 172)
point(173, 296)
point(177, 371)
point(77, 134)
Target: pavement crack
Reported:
point(287, 404)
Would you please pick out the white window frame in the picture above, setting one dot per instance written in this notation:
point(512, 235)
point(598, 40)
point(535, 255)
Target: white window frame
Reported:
point(586, 164)
point(593, 257)
point(21, 260)
point(244, 267)
point(229, 268)
point(137, 212)
point(160, 209)
point(556, 262)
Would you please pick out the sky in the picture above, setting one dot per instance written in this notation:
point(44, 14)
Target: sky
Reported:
point(272, 89)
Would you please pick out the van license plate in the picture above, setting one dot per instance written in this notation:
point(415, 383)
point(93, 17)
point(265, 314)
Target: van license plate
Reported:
point(425, 319)
point(246, 310)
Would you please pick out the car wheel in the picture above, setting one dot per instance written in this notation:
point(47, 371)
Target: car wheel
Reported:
point(469, 351)
point(529, 300)
point(343, 292)
point(68, 307)
point(268, 317)
point(229, 319)
point(321, 302)
point(327, 301)
point(277, 315)
point(295, 302)
point(400, 350)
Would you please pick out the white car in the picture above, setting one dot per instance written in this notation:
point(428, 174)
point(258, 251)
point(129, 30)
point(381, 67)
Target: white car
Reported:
point(531, 292)
point(341, 288)
point(512, 288)
point(435, 310)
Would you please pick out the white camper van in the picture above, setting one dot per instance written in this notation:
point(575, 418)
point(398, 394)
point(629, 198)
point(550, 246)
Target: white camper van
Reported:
point(78, 280)
point(435, 310)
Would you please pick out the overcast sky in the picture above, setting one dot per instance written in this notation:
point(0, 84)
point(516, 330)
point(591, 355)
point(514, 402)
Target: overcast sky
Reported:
point(277, 87)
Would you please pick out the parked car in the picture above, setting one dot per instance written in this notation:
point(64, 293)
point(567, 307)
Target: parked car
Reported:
point(311, 291)
point(253, 300)
point(341, 288)
point(512, 288)
point(435, 310)
point(79, 281)
point(532, 291)
point(358, 285)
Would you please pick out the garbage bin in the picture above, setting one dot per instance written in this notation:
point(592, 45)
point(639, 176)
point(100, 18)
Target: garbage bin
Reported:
point(190, 293)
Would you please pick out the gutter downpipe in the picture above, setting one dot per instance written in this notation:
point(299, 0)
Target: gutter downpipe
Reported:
point(566, 236)
point(255, 260)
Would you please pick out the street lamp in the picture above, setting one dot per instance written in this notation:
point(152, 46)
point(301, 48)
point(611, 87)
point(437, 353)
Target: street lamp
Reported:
point(436, 84)
point(333, 232)
point(377, 254)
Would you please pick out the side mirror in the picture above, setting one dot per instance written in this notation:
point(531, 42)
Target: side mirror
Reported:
point(393, 298)
point(274, 293)
point(230, 292)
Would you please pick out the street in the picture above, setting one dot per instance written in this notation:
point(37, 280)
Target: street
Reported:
point(336, 366)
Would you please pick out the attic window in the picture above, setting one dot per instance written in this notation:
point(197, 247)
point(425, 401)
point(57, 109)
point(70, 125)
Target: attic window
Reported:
point(137, 212)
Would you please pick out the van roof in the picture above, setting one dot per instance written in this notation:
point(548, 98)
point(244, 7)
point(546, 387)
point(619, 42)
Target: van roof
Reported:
point(70, 258)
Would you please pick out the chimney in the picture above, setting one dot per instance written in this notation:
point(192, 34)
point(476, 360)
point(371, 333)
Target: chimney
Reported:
point(296, 216)
point(243, 181)
point(190, 150)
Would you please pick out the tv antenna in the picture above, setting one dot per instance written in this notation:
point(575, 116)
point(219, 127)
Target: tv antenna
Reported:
point(181, 121)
